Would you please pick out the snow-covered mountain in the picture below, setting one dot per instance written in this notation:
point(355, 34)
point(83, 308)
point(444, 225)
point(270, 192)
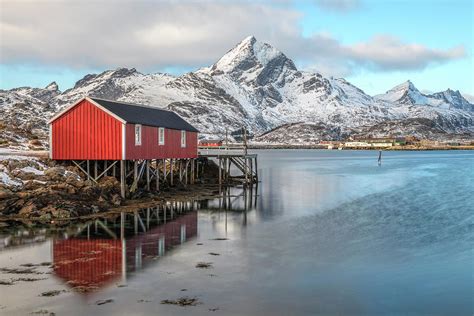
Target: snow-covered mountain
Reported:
point(407, 94)
point(252, 85)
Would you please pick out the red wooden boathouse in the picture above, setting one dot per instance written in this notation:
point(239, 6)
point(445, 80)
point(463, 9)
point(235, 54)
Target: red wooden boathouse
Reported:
point(97, 129)
point(143, 139)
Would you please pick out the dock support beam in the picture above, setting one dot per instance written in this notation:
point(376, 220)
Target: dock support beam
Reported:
point(147, 174)
point(122, 179)
point(171, 172)
point(220, 173)
point(157, 170)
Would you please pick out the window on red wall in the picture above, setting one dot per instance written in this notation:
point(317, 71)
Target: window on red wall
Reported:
point(161, 136)
point(183, 139)
point(138, 134)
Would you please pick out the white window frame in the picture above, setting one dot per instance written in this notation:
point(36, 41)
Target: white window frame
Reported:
point(183, 139)
point(161, 135)
point(138, 140)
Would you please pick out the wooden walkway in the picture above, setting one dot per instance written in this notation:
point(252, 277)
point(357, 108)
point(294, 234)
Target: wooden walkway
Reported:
point(231, 159)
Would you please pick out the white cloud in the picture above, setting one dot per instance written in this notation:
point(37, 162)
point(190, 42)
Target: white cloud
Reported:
point(468, 97)
point(388, 52)
point(153, 35)
point(338, 5)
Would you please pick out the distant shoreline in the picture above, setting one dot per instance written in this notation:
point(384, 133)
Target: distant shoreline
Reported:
point(393, 148)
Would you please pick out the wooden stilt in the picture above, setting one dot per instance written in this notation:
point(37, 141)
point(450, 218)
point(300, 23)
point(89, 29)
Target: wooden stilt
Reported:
point(164, 170)
point(95, 170)
point(224, 170)
point(105, 167)
point(251, 170)
point(186, 172)
point(122, 178)
point(171, 172)
point(157, 175)
point(220, 173)
point(246, 171)
point(135, 170)
point(228, 168)
point(147, 174)
point(88, 170)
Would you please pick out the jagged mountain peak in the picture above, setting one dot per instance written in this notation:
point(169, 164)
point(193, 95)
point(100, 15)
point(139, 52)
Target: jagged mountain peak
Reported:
point(454, 99)
point(53, 86)
point(107, 74)
point(250, 54)
point(404, 93)
point(404, 86)
point(407, 94)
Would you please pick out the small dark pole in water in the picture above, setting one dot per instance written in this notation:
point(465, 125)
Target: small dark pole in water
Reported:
point(380, 158)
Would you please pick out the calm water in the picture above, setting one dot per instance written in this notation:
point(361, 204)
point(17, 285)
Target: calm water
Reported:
point(326, 232)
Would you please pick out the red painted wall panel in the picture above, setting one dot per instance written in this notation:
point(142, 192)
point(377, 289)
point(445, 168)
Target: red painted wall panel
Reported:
point(86, 132)
point(150, 149)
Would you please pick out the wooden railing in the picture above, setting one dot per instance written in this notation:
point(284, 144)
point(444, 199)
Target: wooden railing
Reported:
point(221, 150)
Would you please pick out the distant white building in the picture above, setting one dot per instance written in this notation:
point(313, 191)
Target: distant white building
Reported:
point(356, 144)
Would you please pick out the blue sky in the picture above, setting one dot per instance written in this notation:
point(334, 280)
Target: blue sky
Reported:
point(436, 24)
point(431, 41)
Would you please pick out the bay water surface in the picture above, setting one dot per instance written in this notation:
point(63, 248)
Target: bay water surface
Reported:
point(324, 232)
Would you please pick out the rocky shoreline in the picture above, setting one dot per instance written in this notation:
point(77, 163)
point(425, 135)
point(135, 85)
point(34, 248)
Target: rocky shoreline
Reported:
point(36, 189)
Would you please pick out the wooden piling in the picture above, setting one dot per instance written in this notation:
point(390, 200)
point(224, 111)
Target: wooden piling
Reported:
point(171, 172)
point(135, 170)
point(157, 170)
point(147, 174)
point(122, 179)
point(246, 170)
point(88, 170)
point(186, 165)
point(251, 170)
point(220, 173)
point(164, 170)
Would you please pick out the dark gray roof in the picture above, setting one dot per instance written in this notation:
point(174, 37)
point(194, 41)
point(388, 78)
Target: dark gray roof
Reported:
point(145, 115)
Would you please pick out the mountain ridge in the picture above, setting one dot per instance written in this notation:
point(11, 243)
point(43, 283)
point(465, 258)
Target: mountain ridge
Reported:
point(256, 86)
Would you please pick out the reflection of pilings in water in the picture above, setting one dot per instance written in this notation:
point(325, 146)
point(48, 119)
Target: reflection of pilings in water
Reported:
point(243, 163)
point(136, 222)
point(228, 199)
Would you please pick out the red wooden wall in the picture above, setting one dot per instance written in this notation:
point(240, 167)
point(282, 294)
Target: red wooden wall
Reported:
point(149, 149)
point(86, 132)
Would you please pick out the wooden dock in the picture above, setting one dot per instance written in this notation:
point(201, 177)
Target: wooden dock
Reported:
point(235, 164)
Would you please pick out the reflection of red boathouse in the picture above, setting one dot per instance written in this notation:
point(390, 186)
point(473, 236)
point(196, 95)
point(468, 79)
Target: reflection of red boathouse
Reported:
point(88, 264)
